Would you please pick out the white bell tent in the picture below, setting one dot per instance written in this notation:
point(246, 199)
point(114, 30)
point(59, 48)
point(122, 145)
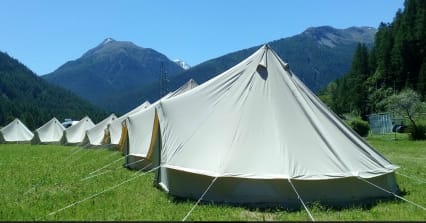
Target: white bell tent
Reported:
point(257, 134)
point(113, 132)
point(139, 130)
point(50, 132)
point(75, 134)
point(95, 135)
point(15, 131)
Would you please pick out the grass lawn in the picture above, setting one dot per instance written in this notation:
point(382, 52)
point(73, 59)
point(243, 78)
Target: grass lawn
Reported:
point(39, 180)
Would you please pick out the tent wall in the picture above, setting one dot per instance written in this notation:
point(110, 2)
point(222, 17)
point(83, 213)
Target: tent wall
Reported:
point(276, 192)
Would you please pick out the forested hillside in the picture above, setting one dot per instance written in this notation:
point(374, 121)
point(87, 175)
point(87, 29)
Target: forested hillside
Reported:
point(396, 62)
point(26, 96)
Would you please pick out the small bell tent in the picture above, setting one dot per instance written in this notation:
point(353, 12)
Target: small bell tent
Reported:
point(15, 131)
point(75, 134)
point(95, 135)
point(50, 132)
point(139, 130)
point(114, 130)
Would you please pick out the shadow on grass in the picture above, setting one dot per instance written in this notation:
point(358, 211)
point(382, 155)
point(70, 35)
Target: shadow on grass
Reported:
point(364, 205)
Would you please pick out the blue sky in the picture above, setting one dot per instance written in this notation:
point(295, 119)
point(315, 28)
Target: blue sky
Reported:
point(44, 34)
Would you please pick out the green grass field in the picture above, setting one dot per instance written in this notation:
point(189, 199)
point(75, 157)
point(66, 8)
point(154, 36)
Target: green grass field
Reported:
point(39, 180)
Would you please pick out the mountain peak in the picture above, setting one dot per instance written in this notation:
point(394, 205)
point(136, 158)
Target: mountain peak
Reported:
point(329, 36)
point(107, 40)
point(110, 45)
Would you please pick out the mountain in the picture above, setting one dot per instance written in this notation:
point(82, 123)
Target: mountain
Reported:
point(317, 56)
point(118, 75)
point(111, 69)
point(34, 101)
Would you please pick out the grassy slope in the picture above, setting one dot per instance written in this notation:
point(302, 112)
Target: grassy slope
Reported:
point(37, 180)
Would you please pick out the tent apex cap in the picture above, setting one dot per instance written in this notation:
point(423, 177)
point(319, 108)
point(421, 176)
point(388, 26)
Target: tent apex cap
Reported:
point(266, 46)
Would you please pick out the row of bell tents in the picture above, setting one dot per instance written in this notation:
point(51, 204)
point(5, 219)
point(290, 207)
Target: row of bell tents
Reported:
point(253, 134)
point(83, 132)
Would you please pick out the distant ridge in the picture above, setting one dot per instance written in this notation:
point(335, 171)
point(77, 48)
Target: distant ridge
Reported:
point(119, 75)
point(318, 56)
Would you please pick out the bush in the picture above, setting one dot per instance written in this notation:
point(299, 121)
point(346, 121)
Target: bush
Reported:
point(417, 133)
point(360, 126)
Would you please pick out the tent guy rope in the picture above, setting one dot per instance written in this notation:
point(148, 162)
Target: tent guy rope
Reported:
point(86, 151)
point(108, 189)
point(301, 201)
point(75, 150)
point(413, 178)
point(128, 164)
point(205, 192)
point(109, 164)
point(92, 176)
point(107, 171)
point(411, 202)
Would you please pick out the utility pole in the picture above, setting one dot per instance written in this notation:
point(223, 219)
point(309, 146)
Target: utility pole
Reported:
point(163, 80)
point(394, 93)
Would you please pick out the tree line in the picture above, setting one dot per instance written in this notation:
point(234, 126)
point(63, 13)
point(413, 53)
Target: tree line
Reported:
point(397, 61)
point(26, 96)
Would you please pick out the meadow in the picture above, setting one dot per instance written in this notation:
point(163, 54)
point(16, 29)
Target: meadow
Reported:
point(37, 181)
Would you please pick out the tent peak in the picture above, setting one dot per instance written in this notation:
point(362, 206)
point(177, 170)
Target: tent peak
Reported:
point(266, 46)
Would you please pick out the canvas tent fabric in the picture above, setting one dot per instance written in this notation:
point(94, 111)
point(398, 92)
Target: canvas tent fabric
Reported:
point(139, 130)
point(50, 132)
point(75, 134)
point(256, 128)
point(114, 129)
point(95, 135)
point(15, 131)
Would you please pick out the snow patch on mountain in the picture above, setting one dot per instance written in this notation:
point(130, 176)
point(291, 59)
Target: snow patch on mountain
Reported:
point(182, 64)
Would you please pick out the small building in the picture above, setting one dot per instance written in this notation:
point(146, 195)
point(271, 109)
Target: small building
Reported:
point(380, 123)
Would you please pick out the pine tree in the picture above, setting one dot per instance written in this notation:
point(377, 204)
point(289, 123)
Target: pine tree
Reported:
point(397, 61)
point(421, 84)
point(357, 78)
